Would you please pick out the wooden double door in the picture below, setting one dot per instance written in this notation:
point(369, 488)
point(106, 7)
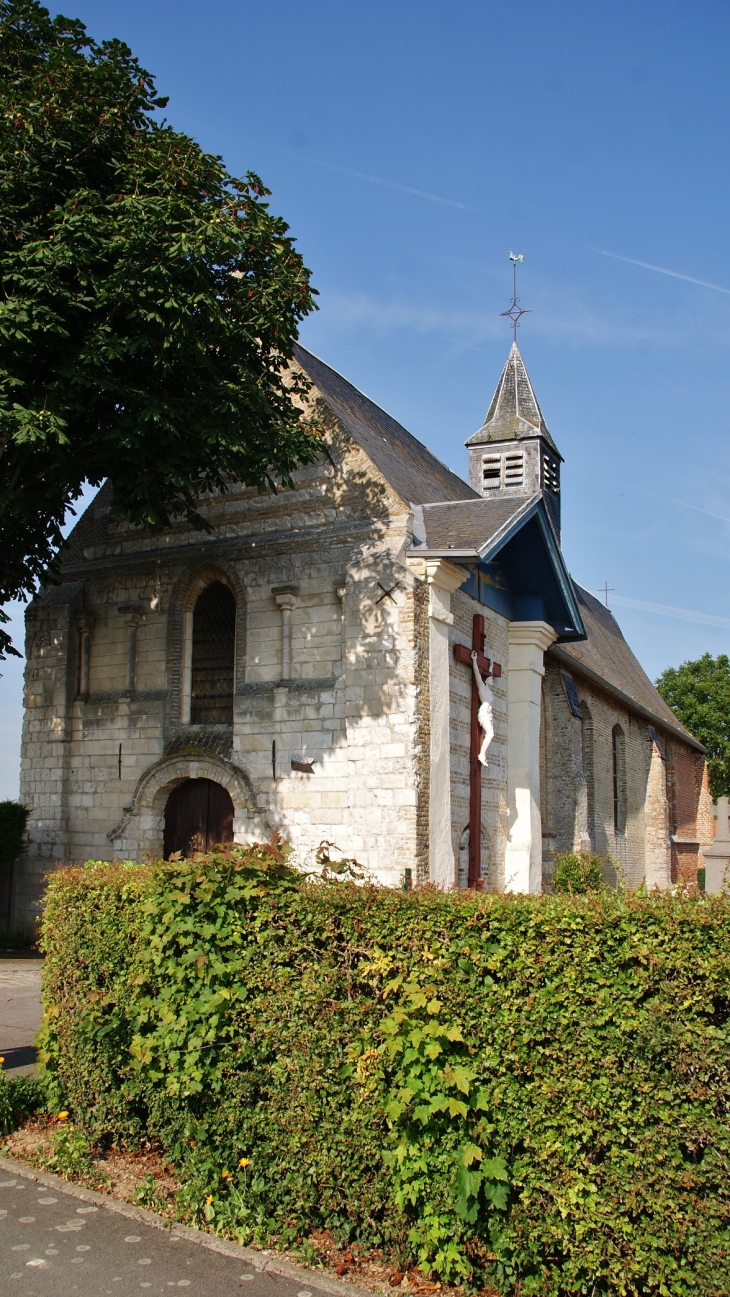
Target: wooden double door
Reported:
point(198, 816)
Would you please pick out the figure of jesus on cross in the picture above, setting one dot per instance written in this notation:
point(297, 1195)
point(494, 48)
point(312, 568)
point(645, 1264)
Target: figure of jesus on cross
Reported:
point(482, 733)
point(485, 714)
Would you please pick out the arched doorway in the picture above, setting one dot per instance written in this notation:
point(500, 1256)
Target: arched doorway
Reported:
point(198, 815)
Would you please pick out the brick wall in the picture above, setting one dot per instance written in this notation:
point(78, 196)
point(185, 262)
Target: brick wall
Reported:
point(690, 810)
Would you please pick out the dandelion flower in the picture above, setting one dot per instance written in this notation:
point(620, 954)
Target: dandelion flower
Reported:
point(209, 1199)
point(226, 1175)
point(245, 1161)
point(2, 1058)
point(62, 1115)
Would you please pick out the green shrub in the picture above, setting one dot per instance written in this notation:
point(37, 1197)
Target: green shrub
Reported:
point(71, 1156)
point(20, 1097)
point(148, 1195)
point(527, 1092)
point(577, 872)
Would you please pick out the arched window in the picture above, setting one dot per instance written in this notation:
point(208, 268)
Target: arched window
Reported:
point(619, 779)
point(586, 736)
point(212, 658)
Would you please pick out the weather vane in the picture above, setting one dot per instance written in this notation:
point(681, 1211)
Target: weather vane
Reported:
point(515, 311)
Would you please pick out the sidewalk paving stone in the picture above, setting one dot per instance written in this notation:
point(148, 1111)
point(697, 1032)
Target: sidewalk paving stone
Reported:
point(58, 1239)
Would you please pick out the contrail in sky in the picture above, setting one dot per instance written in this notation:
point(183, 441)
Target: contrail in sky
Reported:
point(671, 499)
point(662, 270)
point(459, 343)
point(375, 180)
point(681, 614)
point(391, 184)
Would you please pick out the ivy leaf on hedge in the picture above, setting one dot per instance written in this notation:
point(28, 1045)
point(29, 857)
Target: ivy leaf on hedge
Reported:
point(495, 1169)
point(471, 1153)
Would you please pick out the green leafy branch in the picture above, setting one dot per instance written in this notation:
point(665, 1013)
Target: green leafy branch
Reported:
point(437, 1114)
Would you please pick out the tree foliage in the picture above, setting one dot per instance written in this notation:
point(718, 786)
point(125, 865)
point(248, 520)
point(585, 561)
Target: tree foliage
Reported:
point(699, 694)
point(13, 819)
point(149, 301)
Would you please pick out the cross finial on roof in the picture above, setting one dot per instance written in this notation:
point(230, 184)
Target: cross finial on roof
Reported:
point(515, 311)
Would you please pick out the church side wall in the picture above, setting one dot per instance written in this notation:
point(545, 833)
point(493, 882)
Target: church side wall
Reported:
point(668, 804)
point(578, 802)
point(563, 785)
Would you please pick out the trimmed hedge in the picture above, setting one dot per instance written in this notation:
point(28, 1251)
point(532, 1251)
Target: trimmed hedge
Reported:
point(528, 1093)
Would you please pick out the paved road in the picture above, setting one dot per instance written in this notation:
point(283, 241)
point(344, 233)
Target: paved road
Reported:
point(20, 1012)
point(54, 1244)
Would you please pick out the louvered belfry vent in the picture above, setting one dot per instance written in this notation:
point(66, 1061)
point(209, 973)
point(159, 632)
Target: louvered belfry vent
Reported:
point(492, 472)
point(214, 647)
point(514, 469)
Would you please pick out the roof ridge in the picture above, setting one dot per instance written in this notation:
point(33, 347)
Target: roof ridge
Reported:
point(482, 499)
point(359, 390)
point(414, 472)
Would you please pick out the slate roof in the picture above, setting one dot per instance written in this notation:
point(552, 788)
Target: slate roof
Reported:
point(514, 412)
point(416, 475)
point(469, 526)
point(606, 657)
point(92, 528)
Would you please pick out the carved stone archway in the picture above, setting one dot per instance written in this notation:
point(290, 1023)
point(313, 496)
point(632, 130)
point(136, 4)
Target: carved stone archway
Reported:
point(141, 831)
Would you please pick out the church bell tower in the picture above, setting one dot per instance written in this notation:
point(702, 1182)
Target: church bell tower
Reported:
point(513, 453)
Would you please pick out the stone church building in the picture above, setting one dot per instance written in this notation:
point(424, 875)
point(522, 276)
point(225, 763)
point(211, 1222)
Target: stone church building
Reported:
point(306, 666)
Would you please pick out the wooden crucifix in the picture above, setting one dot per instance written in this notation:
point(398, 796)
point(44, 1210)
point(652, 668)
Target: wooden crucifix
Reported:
point(487, 668)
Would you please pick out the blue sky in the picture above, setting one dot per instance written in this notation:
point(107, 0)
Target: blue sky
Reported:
point(410, 146)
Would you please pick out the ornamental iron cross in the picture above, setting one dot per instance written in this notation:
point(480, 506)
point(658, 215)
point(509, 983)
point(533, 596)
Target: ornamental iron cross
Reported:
point(515, 312)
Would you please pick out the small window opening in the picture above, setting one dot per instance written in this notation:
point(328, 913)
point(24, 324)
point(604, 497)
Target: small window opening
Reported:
point(514, 469)
point(619, 779)
point(571, 693)
point(491, 471)
point(550, 476)
point(586, 727)
point(214, 646)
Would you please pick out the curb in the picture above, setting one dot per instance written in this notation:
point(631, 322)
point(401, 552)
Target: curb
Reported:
point(263, 1262)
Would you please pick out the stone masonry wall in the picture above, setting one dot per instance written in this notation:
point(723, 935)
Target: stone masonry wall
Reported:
point(98, 767)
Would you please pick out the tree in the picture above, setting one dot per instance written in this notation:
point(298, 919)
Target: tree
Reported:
point(149, 302)
point(699, 694)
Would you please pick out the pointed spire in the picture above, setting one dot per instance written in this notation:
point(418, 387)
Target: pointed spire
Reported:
point(514, 411)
